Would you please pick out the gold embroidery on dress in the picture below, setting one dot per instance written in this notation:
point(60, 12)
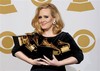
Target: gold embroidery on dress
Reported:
point(35, 39)
point(56, 51)
point(25, 40)
point(20, 41)
point(47, 44)
point(65, 47)
point(31, 47)
point(61, 42)
point(34, 46)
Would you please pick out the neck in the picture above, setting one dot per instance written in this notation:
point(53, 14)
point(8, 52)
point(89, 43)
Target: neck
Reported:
point(48, 33)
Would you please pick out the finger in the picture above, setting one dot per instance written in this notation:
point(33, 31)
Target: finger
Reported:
point(45, 61)
point(53, 57)
point(38, 59)
point(46, 58)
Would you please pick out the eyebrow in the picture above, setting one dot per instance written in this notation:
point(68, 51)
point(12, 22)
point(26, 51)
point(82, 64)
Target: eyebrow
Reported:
point(46, 16)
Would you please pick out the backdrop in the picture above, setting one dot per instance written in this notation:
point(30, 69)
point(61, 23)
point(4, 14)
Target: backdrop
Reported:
point(81, 18)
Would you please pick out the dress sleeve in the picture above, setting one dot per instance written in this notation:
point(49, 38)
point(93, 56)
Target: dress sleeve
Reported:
point(75, 49)
point(19, 47)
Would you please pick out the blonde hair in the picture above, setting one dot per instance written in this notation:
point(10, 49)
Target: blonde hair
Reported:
point(54, 13)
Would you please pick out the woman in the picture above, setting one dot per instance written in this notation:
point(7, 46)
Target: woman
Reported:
point(48, 48)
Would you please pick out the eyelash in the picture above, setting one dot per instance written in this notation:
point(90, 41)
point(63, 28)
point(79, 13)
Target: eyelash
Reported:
point(39, 17)
point(44, 17)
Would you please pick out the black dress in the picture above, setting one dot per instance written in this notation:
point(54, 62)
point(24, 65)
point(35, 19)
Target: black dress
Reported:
point(36, 45)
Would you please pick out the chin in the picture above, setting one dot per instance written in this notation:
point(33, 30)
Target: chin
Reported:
point(44, 28)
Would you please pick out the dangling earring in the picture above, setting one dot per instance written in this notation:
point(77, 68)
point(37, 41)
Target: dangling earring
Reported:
point(54, 22)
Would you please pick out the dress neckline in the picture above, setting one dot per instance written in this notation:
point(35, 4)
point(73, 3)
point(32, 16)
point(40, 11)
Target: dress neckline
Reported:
point(52, 36)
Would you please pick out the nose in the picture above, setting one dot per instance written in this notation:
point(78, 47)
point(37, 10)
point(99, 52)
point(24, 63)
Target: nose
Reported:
point(42, 20)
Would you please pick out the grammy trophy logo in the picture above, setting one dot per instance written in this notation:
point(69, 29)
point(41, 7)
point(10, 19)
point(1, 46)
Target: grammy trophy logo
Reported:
point(80, 6)
point(6, 7)
point(39, 2)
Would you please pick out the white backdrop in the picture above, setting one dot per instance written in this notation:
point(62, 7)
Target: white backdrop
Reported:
point(82, 24)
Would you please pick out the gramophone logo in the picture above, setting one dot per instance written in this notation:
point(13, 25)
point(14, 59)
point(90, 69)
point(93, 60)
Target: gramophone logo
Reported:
point(38, 2)
point(6, 42)
point(85, 39)
point(6, 7)
point(80, 6)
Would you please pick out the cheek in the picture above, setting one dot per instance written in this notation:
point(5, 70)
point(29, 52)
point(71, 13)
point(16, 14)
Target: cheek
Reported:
point(50, 21)
point(39, 21)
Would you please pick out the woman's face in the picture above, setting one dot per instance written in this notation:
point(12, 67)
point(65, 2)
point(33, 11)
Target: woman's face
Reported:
point(45, 19)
